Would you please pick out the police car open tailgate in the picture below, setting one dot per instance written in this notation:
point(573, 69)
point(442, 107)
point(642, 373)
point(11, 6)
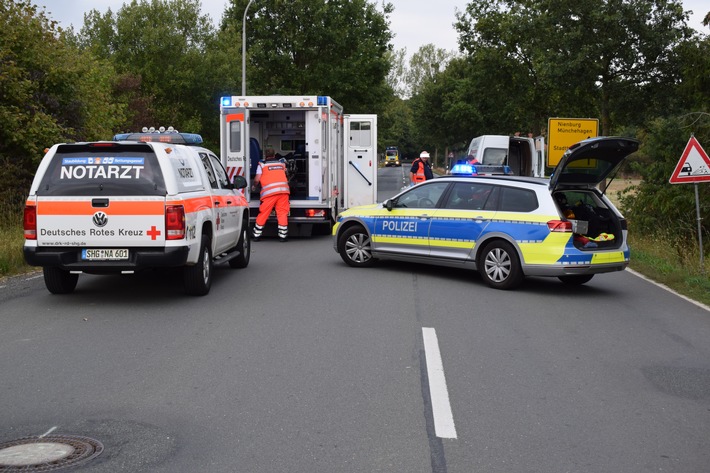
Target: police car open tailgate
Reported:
point(101, 222)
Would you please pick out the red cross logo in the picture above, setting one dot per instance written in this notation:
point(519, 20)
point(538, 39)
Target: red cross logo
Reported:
point(153, 232)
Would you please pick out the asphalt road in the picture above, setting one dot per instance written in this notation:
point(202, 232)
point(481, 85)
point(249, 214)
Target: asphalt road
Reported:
point(300, 363)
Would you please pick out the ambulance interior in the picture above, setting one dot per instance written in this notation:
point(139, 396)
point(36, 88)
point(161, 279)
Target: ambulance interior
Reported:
point(285, 132)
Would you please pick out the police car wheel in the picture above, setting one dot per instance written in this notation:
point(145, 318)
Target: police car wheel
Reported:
point(355, 247)
point(59, 281)
point(244, 249)
point(500, 267)
point(576, 280)
point(198, 277)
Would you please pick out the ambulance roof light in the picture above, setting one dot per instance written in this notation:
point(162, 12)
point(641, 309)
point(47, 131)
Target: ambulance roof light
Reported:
point(322, 100)
point(226, 101)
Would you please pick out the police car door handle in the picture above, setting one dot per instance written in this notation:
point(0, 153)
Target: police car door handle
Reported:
point(424, 217)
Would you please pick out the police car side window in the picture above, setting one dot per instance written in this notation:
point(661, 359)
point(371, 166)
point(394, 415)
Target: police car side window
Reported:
point(220, 172)
point(423, 196)
point(517, 200)
point(468, 196)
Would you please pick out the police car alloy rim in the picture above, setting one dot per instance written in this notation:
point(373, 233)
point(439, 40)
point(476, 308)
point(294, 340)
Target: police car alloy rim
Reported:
point(497, 265)
point(357, 247)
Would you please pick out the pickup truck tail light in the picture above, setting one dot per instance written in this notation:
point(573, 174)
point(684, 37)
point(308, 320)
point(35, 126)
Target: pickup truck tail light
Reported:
point(30, 222)
point(174, 222)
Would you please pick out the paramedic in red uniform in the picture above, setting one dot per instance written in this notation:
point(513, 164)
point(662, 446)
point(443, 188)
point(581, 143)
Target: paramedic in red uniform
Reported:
point(421, 171)
point(271, 174)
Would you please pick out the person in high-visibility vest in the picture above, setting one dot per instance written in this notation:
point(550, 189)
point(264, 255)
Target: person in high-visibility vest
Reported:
point(421, 171)
point(271, 174)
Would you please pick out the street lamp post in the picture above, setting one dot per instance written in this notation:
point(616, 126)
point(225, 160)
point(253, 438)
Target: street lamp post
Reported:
point(244, 50)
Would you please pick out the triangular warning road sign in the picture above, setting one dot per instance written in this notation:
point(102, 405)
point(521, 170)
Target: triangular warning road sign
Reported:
point(694, 165)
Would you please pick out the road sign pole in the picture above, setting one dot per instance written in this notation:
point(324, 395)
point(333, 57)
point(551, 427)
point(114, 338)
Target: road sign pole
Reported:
point(700, 230)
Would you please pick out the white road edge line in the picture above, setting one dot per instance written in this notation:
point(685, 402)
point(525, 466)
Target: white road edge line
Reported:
point(440, 405)
point(662, 286)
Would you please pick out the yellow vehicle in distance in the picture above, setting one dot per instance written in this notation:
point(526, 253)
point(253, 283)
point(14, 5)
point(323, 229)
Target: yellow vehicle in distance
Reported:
point(392, 156)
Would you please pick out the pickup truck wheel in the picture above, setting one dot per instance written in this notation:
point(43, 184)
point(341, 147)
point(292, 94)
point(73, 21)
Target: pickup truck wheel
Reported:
point(576, 280)
point(244, 249)
point(499, 265)
point(198, 278)
point(355, 247)
point(59, 281)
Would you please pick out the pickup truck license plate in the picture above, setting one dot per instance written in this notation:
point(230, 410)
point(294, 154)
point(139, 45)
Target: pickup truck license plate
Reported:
point(104, 254)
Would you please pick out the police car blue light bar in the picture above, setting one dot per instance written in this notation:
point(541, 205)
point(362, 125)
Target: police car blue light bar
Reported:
point(463, 169)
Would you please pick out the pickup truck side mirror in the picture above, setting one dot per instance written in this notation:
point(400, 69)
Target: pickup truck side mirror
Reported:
point(240, 182)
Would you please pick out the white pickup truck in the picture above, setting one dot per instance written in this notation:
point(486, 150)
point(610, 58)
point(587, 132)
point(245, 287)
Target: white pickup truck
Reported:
point(125, 206)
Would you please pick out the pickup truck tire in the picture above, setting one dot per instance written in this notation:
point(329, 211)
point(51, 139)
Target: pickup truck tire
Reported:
point(244, 249)
point(198, 277)
point(499, 265)
point(59, 281)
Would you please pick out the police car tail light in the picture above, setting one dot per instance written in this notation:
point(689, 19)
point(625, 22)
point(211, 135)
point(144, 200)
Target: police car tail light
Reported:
point(563, 226)
point(30, 222)
point(174, 222)
point(315, 213)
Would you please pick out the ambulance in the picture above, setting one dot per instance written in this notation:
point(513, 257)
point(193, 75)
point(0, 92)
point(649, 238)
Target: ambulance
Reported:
point(331, 156)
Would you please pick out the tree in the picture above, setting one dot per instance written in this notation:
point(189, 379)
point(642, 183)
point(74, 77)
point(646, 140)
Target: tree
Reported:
point(50, 92)
point(338, 48)
point(396, 78)
point(161, 48)
point(593, 54)
point(424, 65)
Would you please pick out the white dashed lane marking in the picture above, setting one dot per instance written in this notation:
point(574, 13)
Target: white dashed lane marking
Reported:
point(440, 405)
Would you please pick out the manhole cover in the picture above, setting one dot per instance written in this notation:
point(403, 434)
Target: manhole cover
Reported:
point(50, 453)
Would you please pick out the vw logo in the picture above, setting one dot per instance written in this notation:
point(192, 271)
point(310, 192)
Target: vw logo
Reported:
point(100, 219)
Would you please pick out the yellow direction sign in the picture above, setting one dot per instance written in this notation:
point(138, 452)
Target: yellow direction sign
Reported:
point(564, 132)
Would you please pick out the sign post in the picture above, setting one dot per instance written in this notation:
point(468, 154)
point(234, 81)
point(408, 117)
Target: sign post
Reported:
point(694, 166)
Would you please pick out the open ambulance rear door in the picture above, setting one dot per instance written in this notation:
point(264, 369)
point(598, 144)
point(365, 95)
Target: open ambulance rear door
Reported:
point(234, 141)
point(360, 167)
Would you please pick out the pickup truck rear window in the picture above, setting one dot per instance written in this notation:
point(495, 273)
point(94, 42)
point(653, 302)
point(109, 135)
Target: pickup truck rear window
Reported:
point(86, 170)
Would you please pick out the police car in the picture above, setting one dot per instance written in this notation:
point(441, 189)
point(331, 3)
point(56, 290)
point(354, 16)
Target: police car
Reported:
point(146, 200)
point(505, 227)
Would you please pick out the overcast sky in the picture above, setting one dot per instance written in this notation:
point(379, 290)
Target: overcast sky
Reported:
point(414, 22)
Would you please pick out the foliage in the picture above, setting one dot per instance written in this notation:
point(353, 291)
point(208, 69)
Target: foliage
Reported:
point(338, 48)
point(49, 92)
point(424, 66)
point(578, 58)
point(397, 76)
point(657, 208)
point(160, 48)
